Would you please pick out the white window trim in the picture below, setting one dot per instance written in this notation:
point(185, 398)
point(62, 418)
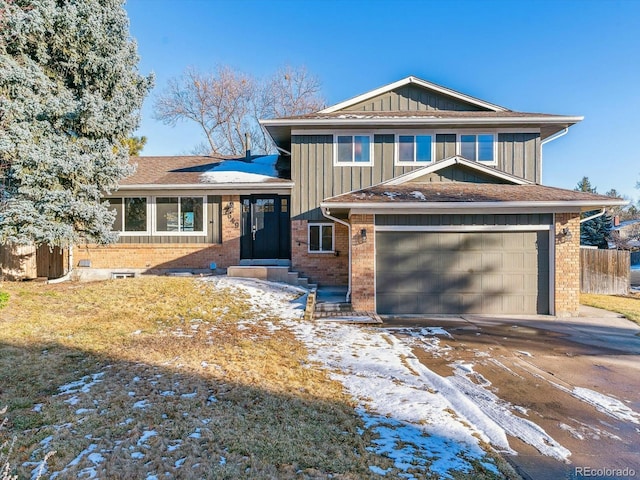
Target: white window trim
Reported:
point(141, 233)
point(413, 133)
point(477, 133)
point(352, 163)
point(161, 233)
point(333, 237)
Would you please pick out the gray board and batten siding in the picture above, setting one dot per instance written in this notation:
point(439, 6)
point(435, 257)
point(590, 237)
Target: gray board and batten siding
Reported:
point(316, 178)
point(411, 98)
point(213, 235)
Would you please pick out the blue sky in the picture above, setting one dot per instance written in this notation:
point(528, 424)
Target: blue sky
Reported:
point(566, 57)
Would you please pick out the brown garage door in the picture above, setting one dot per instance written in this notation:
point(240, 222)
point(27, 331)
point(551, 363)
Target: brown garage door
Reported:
point(467, 272)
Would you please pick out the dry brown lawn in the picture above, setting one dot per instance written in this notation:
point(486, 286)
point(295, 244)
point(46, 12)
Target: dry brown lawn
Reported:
point(627, 305)
point(170, 378)
point(173, 385)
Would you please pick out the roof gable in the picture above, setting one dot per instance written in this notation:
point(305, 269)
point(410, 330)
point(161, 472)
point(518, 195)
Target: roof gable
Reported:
point(413, 94)
point(457, 169)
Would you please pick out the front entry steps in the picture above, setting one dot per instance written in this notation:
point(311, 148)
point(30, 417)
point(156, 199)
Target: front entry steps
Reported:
point(272, 273)
point(331, 306)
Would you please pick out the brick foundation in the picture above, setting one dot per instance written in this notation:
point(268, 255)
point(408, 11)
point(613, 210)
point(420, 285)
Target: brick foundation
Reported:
point(567, 265)
point(363, 264)
point(160, 256)
point(321, 268)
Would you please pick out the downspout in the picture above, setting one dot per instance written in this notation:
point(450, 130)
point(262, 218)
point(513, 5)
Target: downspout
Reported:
point(325, 212)
point(555, 136)
point(66, 276)
point(286, 152)
point(551, 139)
point(604, 210)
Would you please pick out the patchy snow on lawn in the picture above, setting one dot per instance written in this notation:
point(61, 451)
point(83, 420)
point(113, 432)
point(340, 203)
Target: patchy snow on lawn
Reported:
point(406, 405)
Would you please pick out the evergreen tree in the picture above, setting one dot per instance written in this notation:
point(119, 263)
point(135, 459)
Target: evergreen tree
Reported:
point(594, 232)
point(70, 92)
point(135, 145)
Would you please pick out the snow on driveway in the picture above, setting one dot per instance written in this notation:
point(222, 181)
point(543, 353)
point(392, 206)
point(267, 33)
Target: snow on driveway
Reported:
point(424, 420)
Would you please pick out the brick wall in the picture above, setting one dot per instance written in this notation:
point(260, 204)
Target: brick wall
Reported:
point(363, 264)
point(321, 268)
point(155, 256)
point(567, 265)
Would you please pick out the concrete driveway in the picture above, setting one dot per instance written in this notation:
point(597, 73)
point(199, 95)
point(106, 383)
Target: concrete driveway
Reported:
point(576, 378)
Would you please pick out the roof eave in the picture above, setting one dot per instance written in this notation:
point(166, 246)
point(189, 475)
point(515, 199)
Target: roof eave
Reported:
point(207, 186)
point(432, 207)
point(317, 122)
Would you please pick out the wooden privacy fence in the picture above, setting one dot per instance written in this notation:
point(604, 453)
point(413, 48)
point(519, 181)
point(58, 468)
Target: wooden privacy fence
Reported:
point(605, 271)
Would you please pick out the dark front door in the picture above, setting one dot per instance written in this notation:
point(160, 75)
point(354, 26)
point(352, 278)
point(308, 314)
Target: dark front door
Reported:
point(265, 227)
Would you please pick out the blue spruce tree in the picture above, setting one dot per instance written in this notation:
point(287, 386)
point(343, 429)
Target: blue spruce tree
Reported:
point(70, 95)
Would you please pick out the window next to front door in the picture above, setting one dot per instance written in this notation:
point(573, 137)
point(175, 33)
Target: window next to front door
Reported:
point(180, 215)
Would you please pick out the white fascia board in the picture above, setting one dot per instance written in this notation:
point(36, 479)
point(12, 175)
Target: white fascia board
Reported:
point(456, 160)
point(211, 186)
point(432, 207)
point(417, 81)
point(420, 121)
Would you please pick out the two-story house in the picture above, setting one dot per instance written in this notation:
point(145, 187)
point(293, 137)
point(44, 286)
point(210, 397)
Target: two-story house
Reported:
point(418, 198)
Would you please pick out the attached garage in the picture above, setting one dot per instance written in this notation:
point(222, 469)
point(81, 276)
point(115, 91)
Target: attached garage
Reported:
point(491, 271)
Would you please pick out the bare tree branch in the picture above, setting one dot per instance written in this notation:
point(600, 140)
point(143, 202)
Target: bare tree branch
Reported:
point(227, 104)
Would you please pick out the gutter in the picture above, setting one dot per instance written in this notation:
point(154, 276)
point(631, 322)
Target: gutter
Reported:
point(420, 121)
point(593, 216)
point(555, 136)
point(559, 204)
point(207, 186)
point(325, 211)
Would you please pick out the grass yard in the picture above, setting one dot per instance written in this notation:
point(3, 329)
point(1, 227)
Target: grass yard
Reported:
point(627, 305)
point(163, 375)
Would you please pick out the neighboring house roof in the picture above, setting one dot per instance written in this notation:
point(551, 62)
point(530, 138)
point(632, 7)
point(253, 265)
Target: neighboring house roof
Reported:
point(203, 172)
point(627, 224)
point(416, 81)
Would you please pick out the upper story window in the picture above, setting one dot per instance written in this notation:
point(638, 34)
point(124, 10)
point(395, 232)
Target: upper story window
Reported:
point(353, 150)
point(131, 214)
point(412, 149)
point(480, 147)
point(180, 214)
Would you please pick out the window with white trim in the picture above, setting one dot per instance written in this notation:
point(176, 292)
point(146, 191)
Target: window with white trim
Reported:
point(353, 149)
point(131, 214)
point(479, 147)
point(412, 149)
point(321, 237)
point(180, 214)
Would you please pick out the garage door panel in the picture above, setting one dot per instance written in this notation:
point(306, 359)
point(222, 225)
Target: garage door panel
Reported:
point(462, 272)
point(492, 261)
point(469, 261)
point(398, 304)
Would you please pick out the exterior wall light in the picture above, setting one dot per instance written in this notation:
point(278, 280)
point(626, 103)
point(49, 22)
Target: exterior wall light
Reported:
point(363, 234)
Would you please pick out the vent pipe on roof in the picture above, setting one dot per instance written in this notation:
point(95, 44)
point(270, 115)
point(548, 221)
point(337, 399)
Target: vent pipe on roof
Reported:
point(247, 143)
